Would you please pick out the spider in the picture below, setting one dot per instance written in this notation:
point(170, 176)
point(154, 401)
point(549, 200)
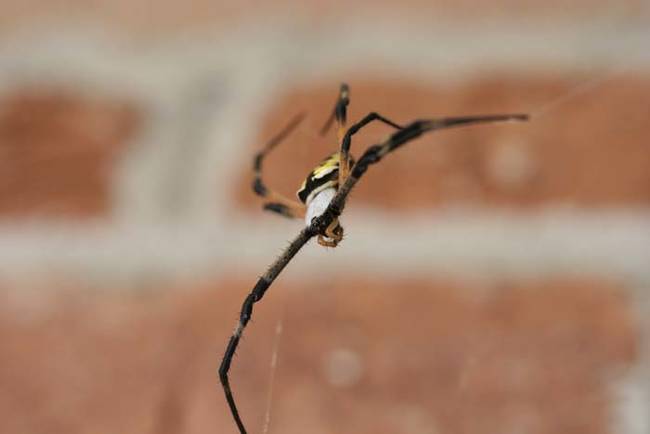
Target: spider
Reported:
point(323, 195)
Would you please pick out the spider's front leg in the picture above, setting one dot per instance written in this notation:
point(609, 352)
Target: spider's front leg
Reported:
point(321, 184)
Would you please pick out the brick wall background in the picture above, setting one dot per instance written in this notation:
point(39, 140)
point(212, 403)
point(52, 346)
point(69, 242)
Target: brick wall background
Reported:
point(493, 279)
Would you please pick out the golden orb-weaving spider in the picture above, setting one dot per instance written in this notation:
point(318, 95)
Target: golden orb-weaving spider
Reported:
point(323, 195)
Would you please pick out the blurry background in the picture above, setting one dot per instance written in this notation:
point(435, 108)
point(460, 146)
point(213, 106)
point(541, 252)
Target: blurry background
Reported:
point(493, 279)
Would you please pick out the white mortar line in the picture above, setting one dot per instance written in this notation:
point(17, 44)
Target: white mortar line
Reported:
point(609, 244)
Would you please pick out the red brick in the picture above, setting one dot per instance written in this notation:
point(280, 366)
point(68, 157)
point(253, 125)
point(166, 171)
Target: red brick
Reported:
point(520, 356)
point(57, 152)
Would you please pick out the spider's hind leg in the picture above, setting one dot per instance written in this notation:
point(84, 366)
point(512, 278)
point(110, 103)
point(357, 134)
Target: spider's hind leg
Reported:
point(285, 209)
point(277, 202)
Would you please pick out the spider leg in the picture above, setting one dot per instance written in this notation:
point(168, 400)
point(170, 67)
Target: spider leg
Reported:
point(346, 141)
point(256, 295)
point(277, 202)
point(375, 153)
point(297, 211)
point(286, 208)
point(340, 110)
point(323, 224)
point(340, 113)
point(345, 137)
point(417, 128)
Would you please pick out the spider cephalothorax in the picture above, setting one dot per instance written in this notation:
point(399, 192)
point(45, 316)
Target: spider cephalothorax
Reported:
point(322, 198)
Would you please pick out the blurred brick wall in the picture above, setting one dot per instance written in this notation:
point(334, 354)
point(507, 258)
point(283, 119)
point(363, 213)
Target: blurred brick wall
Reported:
point(353, 356)
point(58, 151)
point(129, 235)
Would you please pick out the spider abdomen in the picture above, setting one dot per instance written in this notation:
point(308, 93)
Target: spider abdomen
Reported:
point(318, 204)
